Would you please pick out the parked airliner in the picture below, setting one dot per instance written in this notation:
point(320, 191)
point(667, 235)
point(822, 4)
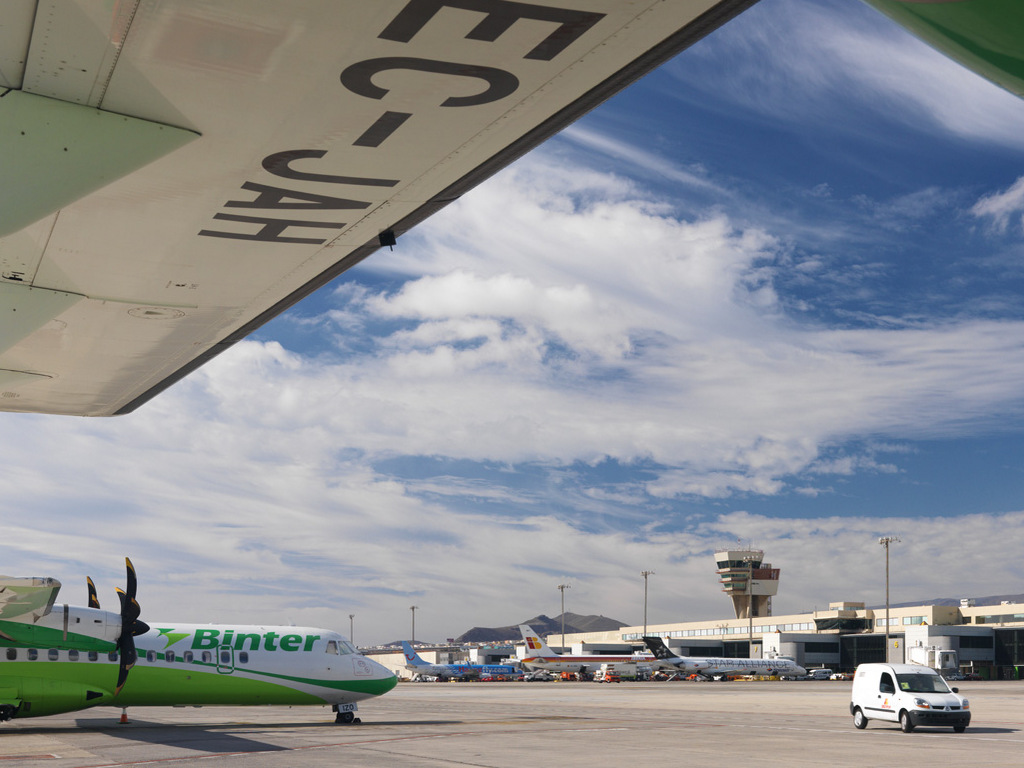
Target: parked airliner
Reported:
point(714, 666)
point(540, 656)
point(67, 658)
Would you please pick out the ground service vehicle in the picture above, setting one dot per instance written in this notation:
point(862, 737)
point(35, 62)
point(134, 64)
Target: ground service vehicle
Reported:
point(908, 694)
point(607, 674)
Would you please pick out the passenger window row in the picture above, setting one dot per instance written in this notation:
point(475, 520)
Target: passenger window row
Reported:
point(206, 657)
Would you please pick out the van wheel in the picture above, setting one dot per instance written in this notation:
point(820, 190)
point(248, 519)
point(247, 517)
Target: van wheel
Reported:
point(905, 724)
point(959, 728)
point(859, 721)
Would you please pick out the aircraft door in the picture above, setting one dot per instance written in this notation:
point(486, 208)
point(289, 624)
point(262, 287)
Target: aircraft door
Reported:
point(225, 660)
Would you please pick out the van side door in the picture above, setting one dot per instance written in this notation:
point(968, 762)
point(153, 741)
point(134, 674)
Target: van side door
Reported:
point(887, 707)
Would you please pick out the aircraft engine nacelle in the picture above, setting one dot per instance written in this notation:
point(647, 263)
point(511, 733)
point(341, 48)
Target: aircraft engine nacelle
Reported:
point(37, 696)
point(72, 626)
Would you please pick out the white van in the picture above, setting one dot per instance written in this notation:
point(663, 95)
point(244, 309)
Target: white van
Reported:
point(819, 674)
point(908, 694)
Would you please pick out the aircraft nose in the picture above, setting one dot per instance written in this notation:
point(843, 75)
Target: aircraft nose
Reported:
point(384, 679)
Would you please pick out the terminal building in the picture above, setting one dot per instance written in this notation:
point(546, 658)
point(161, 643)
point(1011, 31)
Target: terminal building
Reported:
point(988, 639)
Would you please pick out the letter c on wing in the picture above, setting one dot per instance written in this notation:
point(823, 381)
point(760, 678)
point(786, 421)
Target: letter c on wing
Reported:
point(358, 78)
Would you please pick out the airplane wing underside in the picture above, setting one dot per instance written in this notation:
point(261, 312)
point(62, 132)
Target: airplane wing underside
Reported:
point(26, 599)
point(176, 174)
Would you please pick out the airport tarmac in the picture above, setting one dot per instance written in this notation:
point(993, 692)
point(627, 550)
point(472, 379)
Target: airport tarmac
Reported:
point(531, 725)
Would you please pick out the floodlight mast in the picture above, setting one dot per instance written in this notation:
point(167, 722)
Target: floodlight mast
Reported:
point(561, 588)
point(885, 541)
point(749, 560)
point(645, 574)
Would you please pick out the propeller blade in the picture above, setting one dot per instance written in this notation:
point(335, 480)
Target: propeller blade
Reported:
point(94, 601)
point(130, 627)
point(130, 609)
point(132, 583)
point(127, 658)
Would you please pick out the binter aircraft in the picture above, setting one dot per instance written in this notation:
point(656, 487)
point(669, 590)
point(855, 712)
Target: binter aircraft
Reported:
point(176, 174)
point(56, 659)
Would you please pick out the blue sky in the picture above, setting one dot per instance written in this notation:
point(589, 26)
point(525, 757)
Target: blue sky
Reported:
point(772, 292)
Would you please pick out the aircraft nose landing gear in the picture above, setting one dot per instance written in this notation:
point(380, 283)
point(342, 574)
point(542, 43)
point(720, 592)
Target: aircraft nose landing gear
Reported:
point(346, 716)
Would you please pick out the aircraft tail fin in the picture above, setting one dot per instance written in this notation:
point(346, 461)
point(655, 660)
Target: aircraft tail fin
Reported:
point(411, 657)
point(657, 646)
point(534, 643)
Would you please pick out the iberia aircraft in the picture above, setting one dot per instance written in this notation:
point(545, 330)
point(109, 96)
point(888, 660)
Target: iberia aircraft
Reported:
point(712, 666)
point(67, 658)
point(175, 174)
point(540, 656)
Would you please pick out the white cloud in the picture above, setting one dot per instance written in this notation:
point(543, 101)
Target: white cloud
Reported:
point(346, 556)
point(1001, 206)
point(556, 316)
point(822, 53)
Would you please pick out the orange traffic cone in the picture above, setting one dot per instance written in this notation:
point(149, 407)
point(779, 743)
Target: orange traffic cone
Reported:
point(124, 716)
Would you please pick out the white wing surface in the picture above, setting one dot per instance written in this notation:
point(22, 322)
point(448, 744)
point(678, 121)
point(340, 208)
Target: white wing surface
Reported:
point(252, 150)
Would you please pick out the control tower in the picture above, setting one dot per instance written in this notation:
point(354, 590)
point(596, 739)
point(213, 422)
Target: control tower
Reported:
point(748, 580)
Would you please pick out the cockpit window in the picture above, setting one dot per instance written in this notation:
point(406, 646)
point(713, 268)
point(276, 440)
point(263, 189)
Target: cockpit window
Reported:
point(332, 647)
point(347, 647)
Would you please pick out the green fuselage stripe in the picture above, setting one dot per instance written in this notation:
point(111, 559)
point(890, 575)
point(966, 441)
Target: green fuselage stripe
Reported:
point(60, 686)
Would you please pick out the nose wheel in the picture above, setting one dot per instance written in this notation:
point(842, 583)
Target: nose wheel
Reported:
point(345, 718)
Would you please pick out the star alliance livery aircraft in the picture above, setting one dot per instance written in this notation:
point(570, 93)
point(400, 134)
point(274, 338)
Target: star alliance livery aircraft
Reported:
point(708, 666)
point(176, 174)
point(66, 658)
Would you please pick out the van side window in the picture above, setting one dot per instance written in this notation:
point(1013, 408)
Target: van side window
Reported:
point(885, 684)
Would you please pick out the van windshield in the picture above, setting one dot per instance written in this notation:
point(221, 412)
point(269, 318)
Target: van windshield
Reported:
point(918, 683)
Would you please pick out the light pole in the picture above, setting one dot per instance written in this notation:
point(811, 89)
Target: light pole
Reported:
point(413, 609)
point(885, 541)
point(562, 588)
point(645, 574)
point(750, 605)
point(351, 628)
